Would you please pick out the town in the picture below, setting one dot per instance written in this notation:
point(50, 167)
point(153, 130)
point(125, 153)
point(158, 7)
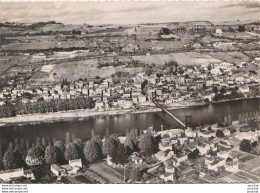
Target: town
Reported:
point(52, 71)
point(217, 67)
point(225, 152)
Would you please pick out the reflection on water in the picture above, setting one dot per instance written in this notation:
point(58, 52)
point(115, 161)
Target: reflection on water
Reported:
point(120, 123)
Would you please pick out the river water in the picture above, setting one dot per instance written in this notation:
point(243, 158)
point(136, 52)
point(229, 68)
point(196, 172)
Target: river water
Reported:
point(205, 114)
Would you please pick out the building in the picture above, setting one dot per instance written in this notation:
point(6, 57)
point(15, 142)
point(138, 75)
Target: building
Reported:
point(164, 155)
point(57, 170)
point(63, 170)
point(219, 31)
point(167, 177)
point(203, 148)
point(165, 146)
point(244, 89)
point(218, 162)
point(181, 158)
point(75, 163)
point(16, 173)
point(190, 133)
point(170, 169)
point(136, 159)
point(232, 166)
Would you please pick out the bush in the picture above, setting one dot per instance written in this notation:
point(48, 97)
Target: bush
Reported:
point(220, 133)
point(245, 145)
point(232, 129)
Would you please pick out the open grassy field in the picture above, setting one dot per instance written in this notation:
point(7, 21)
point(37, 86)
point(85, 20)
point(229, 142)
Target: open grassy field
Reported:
point(187, 58)
point(42, 42)
point(230, 57)
point(80, 69)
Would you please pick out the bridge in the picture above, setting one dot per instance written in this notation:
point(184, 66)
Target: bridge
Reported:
point(170, 114)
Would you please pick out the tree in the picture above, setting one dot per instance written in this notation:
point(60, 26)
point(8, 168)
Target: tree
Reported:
point(71, 152)
point(35, 153)
point(220, 133)
point(230, 29)
point(165, 31)
point(232, 129)
point(107, 133)
point(44, 142)
point(67, 138)
point(246, 118)
point(109, 146)
point(239, 119)
point(147, 144)
point(1, 157)
point(241, 28)
point(215, 90)
point(131, 143)
point(61, 151)
point(73, 137)
point(12, 160)
point(51, 154)
point(119, 155)
point(92, 151)
point(78, 142)
point(245, 145)
point(60, 145)
point(209, 67)
point(254, 144)
point(229, 119)
point(92, 133)
point(225, 121)
point(222, 90)
point(193, 155)
point(98, 140)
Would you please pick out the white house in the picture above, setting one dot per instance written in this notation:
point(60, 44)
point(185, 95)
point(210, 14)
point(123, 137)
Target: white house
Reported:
point(190, 133)
point(57, 170)
point(167, 177)
point(223, 154)
point(244, 89)
point(16, 173)
point(164, 155)
point(219, 31)
point(75, 163)
point(181, 158)
point(226, 132)
point(232, 166)
point(216, 164)
point(165, 146)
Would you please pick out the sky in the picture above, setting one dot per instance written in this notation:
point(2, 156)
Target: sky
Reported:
point(128, 12)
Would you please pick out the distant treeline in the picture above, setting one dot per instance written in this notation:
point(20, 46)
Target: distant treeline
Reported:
point(41, 106)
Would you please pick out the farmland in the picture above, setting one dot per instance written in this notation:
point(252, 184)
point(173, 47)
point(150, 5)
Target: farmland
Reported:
point(187, 58)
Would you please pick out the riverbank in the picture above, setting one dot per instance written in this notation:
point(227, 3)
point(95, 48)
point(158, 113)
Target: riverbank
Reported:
point(84, 113)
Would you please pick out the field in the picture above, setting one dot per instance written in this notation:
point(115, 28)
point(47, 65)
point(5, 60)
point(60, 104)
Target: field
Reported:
point(234, 36)
point(187, 58)
point(230, 57)
point(106, 174)
point(85, 69)
point(42, 42)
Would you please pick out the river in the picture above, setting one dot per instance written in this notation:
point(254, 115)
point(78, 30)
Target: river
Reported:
point(205, 114)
